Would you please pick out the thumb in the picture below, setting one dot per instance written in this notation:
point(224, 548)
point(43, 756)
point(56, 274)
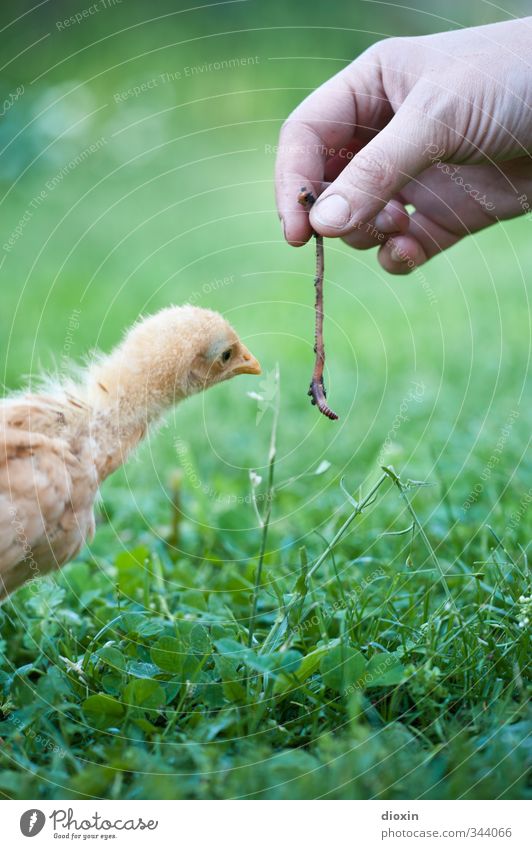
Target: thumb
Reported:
point(397, 154)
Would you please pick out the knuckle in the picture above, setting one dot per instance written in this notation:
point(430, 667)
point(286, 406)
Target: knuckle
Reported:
point(297, 131)
point(371, 53)
point(394, 46)
point(290, 143)
point(433, 110)
point(429, 95)
point(287, 128)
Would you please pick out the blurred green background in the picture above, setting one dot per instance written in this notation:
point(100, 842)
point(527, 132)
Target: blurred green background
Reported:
point(132, 199)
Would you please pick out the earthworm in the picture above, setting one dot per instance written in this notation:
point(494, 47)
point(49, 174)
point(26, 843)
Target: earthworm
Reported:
point(317, 389)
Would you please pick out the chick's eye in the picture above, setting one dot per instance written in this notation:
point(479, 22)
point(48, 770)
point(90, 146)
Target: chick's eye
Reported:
point(226, 356)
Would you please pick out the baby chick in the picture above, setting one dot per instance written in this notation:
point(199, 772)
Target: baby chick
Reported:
point(57, 447)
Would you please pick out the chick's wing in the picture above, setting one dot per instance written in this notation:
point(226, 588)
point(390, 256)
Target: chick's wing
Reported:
point(47, 489)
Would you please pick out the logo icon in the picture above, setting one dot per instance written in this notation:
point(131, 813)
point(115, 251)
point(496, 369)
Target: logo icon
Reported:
point(32, 822)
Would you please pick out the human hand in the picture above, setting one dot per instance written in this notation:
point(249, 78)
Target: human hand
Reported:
point(382, 134)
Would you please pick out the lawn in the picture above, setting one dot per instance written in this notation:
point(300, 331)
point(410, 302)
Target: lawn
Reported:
point(308, 627)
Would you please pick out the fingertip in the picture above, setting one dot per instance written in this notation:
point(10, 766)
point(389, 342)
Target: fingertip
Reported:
point(296, 230)
point(401, 255)
point(393, 219)
point(331, 215)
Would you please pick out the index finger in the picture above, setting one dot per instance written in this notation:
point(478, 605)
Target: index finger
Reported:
point(352, 103)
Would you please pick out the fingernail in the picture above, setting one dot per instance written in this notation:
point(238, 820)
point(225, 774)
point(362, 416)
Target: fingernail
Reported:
point(385, 223)
point(396, 255)
point(332, 211)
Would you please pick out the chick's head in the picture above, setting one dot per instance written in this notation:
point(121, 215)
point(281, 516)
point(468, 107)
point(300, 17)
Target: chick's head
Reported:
point(217, 354)
point(185, 350)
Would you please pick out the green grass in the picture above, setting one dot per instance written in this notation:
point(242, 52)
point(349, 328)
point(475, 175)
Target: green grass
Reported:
point(400, 667)
point(392, 671)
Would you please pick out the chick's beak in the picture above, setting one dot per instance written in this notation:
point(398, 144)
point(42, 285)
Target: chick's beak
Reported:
point(246, 363)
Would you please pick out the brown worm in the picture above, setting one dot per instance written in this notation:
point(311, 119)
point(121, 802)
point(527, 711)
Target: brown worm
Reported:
point(317, 388)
